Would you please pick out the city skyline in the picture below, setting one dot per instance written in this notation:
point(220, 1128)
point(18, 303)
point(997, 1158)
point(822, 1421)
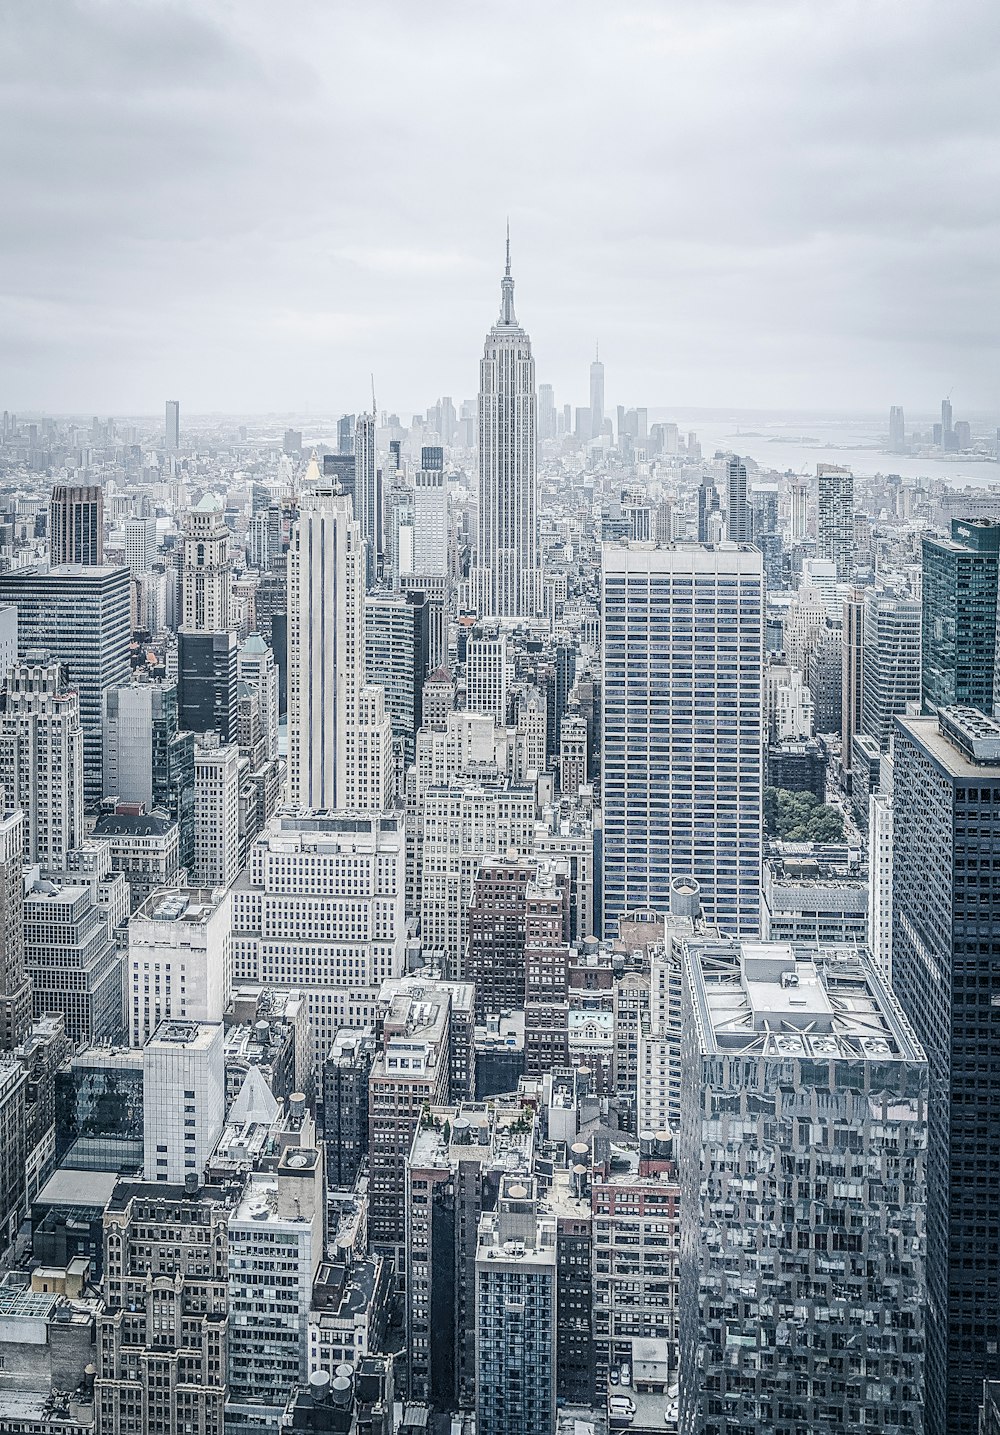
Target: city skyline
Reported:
point(499, 886)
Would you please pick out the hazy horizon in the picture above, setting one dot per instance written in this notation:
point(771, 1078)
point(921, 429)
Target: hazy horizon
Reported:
point(751, 206)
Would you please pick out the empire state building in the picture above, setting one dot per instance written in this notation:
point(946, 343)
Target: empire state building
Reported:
point(507, 580)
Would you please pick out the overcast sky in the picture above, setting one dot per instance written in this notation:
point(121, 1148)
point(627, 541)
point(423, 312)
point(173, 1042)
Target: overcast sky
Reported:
point(251, 205)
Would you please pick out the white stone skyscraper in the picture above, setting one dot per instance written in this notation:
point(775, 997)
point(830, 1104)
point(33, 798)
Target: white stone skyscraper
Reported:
point(339, 736)
point(41, 757)
point(507, 580)
point(368, 489)
point(206, 575)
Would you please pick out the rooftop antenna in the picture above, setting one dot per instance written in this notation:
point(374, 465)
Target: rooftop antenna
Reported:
point(374, 408)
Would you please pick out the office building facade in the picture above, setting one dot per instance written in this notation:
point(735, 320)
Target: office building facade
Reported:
point(516, 1298)
point(81, 617)
point(41, 758)
point(76, 525)
point(803, 1165)
point(738, 521)
point(339, 735)
point(890, 662)
point(959, 650)
point(945, 952)
point(835, 530)
point(683, 728)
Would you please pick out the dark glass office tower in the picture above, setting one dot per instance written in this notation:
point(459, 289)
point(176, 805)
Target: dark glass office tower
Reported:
point(76, 524)
point(946, 973)
point(173, 769)
point(959, 625)
point(207, 685)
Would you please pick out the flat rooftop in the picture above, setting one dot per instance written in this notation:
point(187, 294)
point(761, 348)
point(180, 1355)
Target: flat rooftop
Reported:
point(77, 1188)
point(956, 763)
point(191, 1035)
point(795, 999)
point(180, 904)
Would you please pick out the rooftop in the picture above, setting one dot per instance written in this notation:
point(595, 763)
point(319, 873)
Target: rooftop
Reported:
point(192, 1035)
point(180, 904)
point(128, 824)
point(428, 989)
point(77, 1188)
point(978, 735)
point(797, 1000)
point(17, 1299)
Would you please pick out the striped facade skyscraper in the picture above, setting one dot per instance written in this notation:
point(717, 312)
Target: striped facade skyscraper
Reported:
point(339, 737)
point(682, 728)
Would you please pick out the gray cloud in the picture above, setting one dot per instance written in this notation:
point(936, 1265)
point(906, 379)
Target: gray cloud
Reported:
point(252, 206)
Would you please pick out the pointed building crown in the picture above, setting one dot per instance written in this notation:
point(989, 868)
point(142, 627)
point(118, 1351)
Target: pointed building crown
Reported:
point(507, 315)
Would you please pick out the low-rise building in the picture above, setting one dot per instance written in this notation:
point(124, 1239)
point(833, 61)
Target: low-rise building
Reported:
point(144, 847)
point(809, 898)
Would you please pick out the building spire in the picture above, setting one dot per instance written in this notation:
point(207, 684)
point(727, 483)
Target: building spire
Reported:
point(507, 289)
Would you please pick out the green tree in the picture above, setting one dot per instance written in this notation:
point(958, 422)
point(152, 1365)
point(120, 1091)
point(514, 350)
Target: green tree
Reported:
point(800, 817)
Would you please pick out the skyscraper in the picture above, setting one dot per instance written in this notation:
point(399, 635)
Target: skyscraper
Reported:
point(184, 1098)
point(216, 813)
point(682, 728)
point(804, 1132)
point(76, 524)
point(177, 1238)
point(890, 661)
point(508, 576)
point(597, 396)
point(945, 956)
point(15, 987)
point(206, 572)
point(368, 491)
point(339, 736)
point(708, 503)
point(897, 430)
point(173, 423)
point(738, 529)
point(516, 1278)
point(140, 544)
point(80, 615)
point(546, 412)
point(799, 511)
point(487, 674)
point(396, 648)
point(430, 523)
point(835, 538)
point(207, 641)
point(960, 655)
point(41, 758)
point(852, 654)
